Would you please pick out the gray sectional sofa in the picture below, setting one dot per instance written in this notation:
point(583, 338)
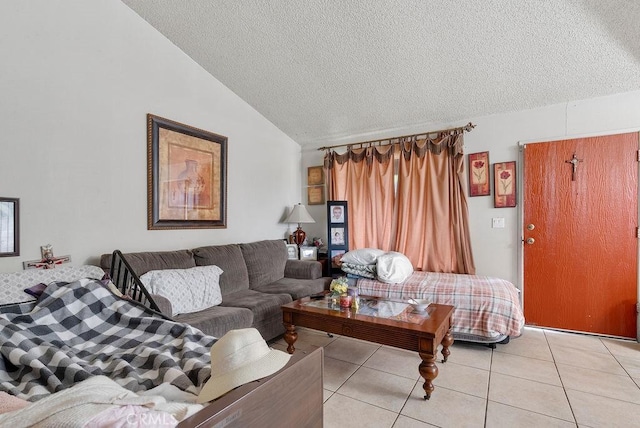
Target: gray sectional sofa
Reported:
point(257, 279)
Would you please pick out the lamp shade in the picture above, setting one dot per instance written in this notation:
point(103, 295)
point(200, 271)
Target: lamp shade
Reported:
point(299, 214)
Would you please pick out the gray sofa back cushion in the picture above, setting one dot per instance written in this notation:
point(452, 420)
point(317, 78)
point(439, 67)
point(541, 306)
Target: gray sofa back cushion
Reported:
point(144, 262)
point(265, 261)
point(228, 258)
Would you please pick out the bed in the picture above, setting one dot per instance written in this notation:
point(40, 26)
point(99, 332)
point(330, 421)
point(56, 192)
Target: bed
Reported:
point(89, 349)
point(487, 309)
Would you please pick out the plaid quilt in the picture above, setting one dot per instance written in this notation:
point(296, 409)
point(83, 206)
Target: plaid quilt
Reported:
point(484, 306)
point(80, 329)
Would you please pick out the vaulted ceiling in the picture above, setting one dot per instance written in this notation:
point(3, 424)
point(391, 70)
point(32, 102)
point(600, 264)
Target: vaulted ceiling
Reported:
point(329, 70)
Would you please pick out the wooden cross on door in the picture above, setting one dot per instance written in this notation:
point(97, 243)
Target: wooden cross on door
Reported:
point(574, 164)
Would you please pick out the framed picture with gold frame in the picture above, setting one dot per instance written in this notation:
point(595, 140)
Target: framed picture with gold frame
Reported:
point(186, 181)
point(315, 195)
point(315, 175)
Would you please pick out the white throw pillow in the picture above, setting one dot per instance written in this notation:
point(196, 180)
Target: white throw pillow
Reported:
point(363, 256)
point(188, 290)
point(393, 267)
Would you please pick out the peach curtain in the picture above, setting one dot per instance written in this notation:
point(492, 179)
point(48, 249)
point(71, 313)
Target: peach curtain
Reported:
point(432, 211)
point(364, 178)
point(426, 218)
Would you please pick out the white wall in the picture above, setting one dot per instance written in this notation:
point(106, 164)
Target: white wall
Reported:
point(76, 82)
point(496, 250)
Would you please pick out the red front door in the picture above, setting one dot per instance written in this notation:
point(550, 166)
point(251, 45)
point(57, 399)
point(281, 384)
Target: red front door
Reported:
point(580, 244)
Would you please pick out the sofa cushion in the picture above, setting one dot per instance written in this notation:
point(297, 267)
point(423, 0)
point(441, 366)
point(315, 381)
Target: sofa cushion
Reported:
point(142, 263)
point(296, 288)
point(188, 290)
point(303, 269)
point(267, 315)
point(229, 258)
point(265, 261)
point(218, 320)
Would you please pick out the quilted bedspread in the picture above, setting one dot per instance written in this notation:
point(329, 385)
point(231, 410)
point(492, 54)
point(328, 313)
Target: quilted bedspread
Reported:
point(484, 306)
point(80, 329)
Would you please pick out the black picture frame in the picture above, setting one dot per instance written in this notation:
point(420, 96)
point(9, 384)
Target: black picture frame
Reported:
point(9, 227)
point(337, 232)
point(186, 176)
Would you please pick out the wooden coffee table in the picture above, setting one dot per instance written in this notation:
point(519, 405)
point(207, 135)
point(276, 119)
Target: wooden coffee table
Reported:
point(380, 321)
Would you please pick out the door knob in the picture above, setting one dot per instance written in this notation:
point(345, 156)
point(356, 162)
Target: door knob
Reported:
point(530, 241)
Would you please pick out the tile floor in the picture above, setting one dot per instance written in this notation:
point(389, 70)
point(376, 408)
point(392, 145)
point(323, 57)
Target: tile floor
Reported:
point(544, 378)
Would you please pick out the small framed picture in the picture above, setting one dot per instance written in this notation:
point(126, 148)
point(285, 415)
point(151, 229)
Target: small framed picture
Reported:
point(479, 183)
point(315, 175)
point(336, 255)
point(336, 212)
point(315, 195)
point(308, 253)
point(504, 184)
point(337, 236)
point(292, 251)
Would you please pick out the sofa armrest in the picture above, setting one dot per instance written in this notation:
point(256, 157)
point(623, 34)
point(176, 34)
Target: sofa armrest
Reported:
point(164, 304)
point(303, 269)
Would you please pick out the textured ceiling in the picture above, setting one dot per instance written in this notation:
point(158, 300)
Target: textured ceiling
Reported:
point(326, 70)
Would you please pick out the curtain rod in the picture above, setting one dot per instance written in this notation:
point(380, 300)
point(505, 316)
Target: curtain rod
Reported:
point(467, 128)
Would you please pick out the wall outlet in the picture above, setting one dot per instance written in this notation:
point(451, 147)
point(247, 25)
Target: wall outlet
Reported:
point(497, 222)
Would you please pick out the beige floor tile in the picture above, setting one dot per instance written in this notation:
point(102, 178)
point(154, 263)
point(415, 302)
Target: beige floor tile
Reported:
point(597, 411)
point(500, 415)
point(589, 360)
point(345, 412)
point(396, 361)
point(469, 354)
point(353, 351)
point(532, 344)
point(630, 365)
point(599, 383)
point(468, 380)
point(406, 422)
point(336, 372)
point(530, 395)
point(623, 348)
point(326, 395)
point(446, 408)
point(575, 340)
point(524, 367)
point(378, 388)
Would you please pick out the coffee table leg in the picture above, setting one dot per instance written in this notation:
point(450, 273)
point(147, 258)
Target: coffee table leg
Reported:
point(447, 341)
point(429, 371)
point(290, 336)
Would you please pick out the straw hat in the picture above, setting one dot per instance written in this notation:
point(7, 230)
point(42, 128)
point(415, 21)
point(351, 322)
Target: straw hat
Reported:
point(238, 357)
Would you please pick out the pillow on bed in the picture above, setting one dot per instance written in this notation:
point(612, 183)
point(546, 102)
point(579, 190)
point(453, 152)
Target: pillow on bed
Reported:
point(363, 256)
point(394, 267)
point(188, 290)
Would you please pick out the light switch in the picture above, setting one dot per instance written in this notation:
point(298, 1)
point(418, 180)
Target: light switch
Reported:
point(497, 223)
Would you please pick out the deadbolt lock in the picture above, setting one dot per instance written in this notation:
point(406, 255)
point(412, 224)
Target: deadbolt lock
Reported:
point(531, 226)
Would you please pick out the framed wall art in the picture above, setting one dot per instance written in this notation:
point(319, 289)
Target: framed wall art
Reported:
point(187, 176)
point(315, 175)
point(479, 182)
point(315, 195)
point(9, 227)
point(504, 184)
point(337, 232)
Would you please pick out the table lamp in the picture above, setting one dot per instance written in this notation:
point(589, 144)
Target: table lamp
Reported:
point(299, 214)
